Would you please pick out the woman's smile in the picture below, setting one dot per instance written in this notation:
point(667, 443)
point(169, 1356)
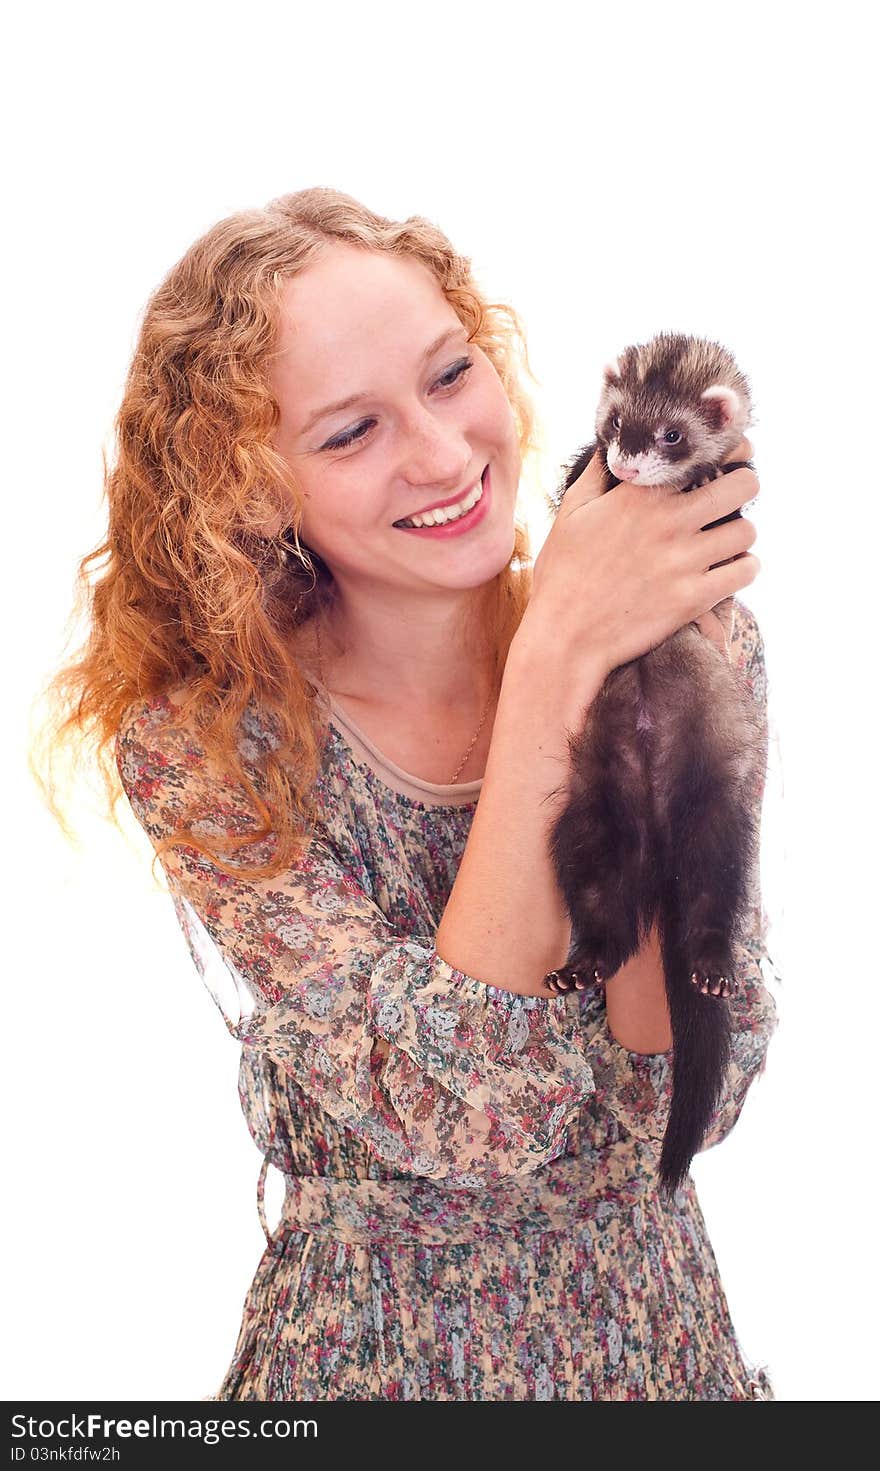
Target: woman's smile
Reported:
point(461, 516)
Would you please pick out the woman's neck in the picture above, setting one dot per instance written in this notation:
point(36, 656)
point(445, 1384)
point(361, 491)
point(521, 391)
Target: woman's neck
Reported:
point(387, 664)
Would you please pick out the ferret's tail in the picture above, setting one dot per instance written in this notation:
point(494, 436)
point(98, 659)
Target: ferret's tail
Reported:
point(701, 1035)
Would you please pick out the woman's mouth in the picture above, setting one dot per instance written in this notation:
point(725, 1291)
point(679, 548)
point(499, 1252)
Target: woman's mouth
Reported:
point(462, 522)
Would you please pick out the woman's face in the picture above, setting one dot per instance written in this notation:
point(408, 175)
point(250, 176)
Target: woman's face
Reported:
point(422, 427)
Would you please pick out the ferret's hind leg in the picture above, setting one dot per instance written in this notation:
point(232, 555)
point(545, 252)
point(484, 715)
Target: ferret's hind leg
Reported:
point(601, 844)
point(705, 814)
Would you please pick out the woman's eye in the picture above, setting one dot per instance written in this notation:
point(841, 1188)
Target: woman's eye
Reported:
point(457, 371)
point(349, 437)
point(453, 376)
point(672, 436)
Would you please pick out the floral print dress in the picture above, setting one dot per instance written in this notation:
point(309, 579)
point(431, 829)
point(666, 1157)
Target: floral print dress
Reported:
point(470, 1207)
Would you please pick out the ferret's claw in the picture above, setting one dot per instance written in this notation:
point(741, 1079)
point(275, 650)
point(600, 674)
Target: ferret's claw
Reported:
point(562, 981)
point(565, 980)
point(712, 984)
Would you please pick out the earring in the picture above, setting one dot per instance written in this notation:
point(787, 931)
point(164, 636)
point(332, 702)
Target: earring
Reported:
point(295, 558)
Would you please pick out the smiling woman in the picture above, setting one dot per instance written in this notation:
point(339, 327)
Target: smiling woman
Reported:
point(434, 417)
point(280, 678)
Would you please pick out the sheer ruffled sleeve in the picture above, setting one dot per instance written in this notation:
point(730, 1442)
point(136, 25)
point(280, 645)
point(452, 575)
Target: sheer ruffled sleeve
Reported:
point(439, 1074)
point(637, 1087)
point(753, 1008)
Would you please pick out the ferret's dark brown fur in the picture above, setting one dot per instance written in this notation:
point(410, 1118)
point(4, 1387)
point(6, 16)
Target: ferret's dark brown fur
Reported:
point(661, 823)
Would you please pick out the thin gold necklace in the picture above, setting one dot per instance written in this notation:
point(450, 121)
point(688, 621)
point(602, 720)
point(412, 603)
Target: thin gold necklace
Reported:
point(463, 762)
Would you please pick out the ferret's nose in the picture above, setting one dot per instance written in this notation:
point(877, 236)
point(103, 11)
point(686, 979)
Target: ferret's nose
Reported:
point(626, 473)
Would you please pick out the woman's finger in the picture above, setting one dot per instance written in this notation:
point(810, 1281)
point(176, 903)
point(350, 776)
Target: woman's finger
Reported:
point(732, 491)
point(590, 484)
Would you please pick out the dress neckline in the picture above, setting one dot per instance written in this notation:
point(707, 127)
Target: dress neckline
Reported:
point(452, 793)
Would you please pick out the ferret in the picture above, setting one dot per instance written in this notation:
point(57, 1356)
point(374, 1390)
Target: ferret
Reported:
point(661, 822)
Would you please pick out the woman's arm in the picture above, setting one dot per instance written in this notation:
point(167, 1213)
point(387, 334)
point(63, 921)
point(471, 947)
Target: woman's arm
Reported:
point(437, 1073)
point(635, 1002)
point(505, 920)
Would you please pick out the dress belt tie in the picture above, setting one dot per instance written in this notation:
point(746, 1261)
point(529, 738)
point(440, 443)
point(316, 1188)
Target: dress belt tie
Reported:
point(571, 1190)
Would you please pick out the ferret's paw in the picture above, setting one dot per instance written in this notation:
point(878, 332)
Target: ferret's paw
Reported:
point(591, 962)
point(712, 982)
point(570, 978)
point(710, 964)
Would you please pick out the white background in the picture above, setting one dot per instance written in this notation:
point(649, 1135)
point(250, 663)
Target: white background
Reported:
point(611, 172)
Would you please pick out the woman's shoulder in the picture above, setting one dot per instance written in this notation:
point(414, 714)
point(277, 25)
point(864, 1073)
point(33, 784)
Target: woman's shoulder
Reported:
point(156, 716)
point(166, 769)
point(156, 732)
point(168, 722)
point(160, 762)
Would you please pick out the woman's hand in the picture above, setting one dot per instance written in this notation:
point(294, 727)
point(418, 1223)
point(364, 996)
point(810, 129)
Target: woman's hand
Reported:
point(622, 570)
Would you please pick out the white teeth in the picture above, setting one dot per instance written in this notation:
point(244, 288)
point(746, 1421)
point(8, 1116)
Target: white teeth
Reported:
point(447, 513)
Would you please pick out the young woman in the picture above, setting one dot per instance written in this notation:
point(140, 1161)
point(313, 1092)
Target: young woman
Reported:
point(346, 736)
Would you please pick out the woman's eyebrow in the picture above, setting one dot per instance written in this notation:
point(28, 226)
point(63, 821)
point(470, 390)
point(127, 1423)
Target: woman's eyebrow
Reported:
point(346, 403)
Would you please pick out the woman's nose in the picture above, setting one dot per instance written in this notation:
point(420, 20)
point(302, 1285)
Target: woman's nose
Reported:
point(436, 453)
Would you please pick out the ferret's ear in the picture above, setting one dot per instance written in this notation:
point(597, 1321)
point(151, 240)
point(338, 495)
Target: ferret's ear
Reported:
point(724, 403)
point(611, 371)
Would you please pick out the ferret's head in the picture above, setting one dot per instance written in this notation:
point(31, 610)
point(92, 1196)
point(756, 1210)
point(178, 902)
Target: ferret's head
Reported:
point(669, 406)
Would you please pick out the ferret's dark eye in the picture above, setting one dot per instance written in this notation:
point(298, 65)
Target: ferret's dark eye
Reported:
point(615, 422)
point(672, 436)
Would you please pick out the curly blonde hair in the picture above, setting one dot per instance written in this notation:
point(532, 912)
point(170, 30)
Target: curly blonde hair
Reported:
point(186, 590)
